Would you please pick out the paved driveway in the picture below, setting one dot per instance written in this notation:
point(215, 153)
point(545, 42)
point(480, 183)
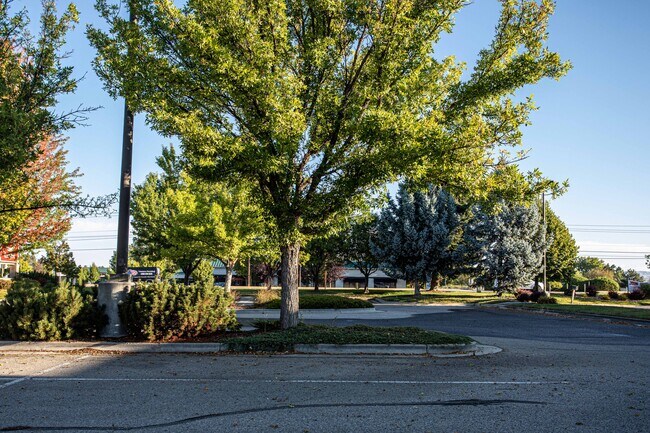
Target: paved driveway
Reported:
point(555, 374)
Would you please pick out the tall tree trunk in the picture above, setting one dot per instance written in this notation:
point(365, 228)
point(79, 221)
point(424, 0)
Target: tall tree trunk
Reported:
point(289, 298)
point(229, 266)
point(416, 284)
point(366, 278)
point(187, 272)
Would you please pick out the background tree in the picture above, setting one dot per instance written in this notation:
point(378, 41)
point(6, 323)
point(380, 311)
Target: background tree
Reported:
point(506, 248)
point(35, 192)
point(223, 220)
point(59, 259)
point(397, 244)
point(93, 273)
point(415, 235)
point(633, 275)
point(324, 258)
point(562, 251)
point(588, 266)
point(83, 276)
point(356, 245)
point(159, 216)
point(44, 180)
point(317, 105)
point(439, 216)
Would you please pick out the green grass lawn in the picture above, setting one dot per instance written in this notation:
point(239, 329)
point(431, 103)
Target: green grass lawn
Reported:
point(437, 297)
point(401, 295)
point(608, 310)
point(587, 300)
point(358, 334)
point(312, 302)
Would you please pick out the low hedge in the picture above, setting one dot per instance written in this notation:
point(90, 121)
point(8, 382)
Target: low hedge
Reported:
point(165, 310)
point(31, 311)
point(604, 284)
point(315, 302)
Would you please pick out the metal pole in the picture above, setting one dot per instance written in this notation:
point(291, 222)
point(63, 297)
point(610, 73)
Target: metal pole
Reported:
point(548, 290)
point(122, 258)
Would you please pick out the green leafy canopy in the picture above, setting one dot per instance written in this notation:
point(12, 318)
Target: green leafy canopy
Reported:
point(318, 102)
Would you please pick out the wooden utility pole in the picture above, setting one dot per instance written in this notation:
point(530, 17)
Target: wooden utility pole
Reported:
point(546, 289)
point(124, 216)
point(249, 273)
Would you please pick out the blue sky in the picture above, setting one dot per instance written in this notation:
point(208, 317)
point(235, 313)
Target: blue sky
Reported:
point(590, 127)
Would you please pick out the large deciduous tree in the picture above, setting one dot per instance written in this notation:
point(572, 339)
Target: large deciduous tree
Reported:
point(44, 180)
point(316, 102)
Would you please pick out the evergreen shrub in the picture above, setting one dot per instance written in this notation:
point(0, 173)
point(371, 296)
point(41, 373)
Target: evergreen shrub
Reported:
point(524, 295)
point(604, 284)
point(42, 278)
point(165, 310)
point(636, 295)
point(32, 311)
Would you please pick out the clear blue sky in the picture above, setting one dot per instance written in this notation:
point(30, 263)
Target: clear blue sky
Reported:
point(590, 128)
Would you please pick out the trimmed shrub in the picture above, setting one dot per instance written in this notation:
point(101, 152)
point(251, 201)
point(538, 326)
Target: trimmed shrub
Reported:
point(31, 311)
point(547, 300)
point(645, 288)
point(525, 295)
point(622, 296)
point(165, 310)
point(604, 297)
point(614, 294)
point(604, 284)
point(636, 295)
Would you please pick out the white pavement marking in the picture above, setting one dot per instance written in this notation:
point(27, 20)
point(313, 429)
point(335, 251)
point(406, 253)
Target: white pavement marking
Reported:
point(325, 381)
point(40, 373)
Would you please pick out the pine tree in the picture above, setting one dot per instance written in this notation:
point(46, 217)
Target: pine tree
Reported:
point(415, 234)
point(504, 249)
point(93, 274)
point(59, 259)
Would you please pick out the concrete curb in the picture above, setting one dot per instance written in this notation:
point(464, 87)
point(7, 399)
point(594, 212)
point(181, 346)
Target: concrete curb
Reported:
point(441, 351)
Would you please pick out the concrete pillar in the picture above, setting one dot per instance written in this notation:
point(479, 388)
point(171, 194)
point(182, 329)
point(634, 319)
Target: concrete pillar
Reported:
point(110, 294)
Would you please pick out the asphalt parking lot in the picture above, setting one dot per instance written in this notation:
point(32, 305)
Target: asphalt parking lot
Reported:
point(573, 375)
